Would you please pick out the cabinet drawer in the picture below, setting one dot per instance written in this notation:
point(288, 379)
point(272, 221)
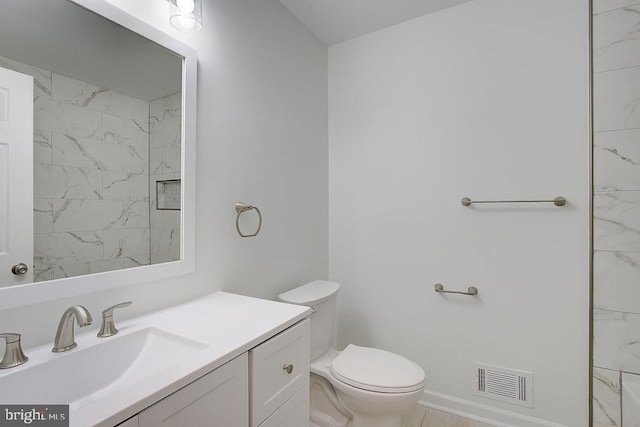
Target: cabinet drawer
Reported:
point(271, 384)
point(294, 413)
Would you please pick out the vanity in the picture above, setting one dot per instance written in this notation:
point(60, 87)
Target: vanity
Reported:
point(223, 360)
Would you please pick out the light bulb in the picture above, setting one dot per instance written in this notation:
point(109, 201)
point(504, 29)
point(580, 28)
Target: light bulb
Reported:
point(185, 6)
point(184, 23)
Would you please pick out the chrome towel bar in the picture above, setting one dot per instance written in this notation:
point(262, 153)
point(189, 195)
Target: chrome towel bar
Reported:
point(472, 290)
point(558, 201)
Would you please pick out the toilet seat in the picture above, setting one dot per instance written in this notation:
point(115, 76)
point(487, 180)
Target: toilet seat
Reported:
point(377, 370)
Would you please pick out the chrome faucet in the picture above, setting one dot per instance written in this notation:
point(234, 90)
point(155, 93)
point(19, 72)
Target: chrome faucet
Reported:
point(13, 355)
point(65, 336)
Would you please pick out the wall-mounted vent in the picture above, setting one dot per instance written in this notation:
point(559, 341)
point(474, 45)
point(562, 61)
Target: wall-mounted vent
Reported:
point(506, 385)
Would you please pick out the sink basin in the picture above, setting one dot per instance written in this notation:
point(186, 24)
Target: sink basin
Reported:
point(81, 375)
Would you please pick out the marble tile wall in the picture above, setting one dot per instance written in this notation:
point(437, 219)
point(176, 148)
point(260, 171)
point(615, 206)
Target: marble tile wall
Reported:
point(165, 147)
point(91, 177)
point(616, 156)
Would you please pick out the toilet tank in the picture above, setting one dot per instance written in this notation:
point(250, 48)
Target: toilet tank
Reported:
point(321, 295)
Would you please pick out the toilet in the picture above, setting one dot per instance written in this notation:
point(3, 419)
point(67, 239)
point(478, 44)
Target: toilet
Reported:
point(359, 386)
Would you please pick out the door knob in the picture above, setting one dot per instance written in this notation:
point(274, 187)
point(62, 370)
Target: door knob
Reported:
point(20, 269)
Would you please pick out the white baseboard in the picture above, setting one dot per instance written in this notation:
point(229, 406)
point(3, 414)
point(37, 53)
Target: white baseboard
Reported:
point(479, 412)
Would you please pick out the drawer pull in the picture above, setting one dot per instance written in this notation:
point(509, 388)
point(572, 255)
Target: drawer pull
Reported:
point(288, 368)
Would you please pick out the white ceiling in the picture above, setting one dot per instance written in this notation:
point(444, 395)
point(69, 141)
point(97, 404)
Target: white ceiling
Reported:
point(335, 21)
point(60, 36)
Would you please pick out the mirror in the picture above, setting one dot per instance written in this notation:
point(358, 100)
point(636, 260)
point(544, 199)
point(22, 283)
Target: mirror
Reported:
point(113, 129)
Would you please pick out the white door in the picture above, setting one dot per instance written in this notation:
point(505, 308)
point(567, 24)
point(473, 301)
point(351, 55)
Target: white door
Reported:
point(16, 177)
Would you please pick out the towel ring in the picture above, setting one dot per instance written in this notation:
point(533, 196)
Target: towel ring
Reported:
point(240, 208)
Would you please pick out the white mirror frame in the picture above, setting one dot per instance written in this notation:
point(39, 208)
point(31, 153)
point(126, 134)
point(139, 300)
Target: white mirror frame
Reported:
point(34, 293)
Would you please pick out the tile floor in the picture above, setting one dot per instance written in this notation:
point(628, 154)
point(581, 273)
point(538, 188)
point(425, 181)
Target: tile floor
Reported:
point(421, 416)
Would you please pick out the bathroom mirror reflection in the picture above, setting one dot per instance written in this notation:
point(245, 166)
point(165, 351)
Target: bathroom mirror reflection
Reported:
point(107, 120)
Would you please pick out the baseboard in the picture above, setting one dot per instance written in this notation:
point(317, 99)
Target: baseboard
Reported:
point(482, 413)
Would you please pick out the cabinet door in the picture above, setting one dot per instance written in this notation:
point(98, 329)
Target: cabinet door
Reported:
point(219, 399)
point(294, 413)
point(279, 368)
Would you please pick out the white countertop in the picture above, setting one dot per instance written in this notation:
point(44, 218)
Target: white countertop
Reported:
point(227, 324)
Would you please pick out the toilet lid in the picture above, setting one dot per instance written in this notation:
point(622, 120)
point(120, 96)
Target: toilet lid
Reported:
point(377, 370)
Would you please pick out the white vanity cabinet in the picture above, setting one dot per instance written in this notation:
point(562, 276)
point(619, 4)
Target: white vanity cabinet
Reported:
point(268, 386)
point(279, 385)
point(219, 399)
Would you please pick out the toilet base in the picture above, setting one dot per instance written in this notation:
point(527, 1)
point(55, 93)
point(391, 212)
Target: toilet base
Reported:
point(324, 408)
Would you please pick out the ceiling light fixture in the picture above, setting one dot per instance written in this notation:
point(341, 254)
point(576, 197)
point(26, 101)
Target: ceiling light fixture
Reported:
point(186, 15)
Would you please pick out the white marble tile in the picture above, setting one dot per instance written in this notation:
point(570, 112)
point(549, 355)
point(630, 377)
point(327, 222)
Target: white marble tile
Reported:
point(166, 107)
point(86, 215)
point(616, 97)
point(75, 183)
point(41, 274)
point(630, 390)
point(616, 340)
point(82, 94)
point(74, 270)
point(41, 77)
point(171, 220)
point(604, 5)
point(77, 247)
point(133, 136)
point(85, 153)
point(156, 218)
point(616, 39)
point(617, 221)
point(616, 158)
point(166, 133)
point(43, 250)
point(136, 261)
point(135, 214)
point(162, 258)
point(42, 215)
point(165, 244)
point(126, 132)
point(42, 268)
point(125, 186)
point(58, 117)
point(134, 108)
point(171, 160)
point(42, 147)
point(616, 281)
point(135, 160)
point(42, 181)
point(126, 243)
point(155, 161)
point(606, 398)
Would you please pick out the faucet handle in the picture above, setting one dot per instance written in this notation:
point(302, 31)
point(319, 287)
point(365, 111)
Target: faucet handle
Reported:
point(108, 328)
point(13, 354)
